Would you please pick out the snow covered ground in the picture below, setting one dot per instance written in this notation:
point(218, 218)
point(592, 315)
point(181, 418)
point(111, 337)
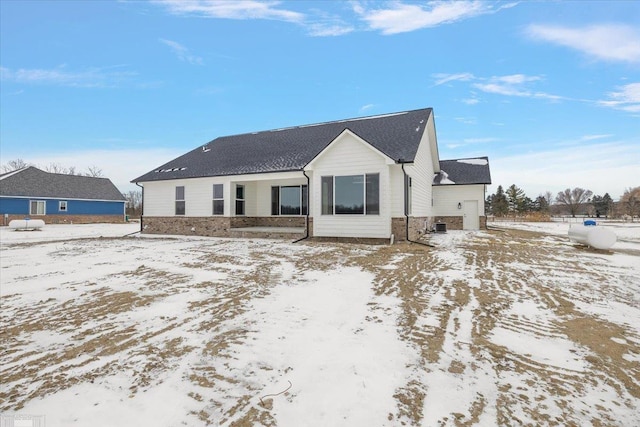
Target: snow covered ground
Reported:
point(489, 328)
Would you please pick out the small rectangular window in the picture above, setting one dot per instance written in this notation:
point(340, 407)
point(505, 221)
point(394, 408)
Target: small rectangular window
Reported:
point(239, 199)
point(305, 200)
point(180, 205)
point(275, 200)
point(37, 207)
point(327, 195)
point(218, 199)
point(62, 206)
point(373, 193)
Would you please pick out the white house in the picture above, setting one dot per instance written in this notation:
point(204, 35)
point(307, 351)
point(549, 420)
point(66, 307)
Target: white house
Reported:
point(363, 178)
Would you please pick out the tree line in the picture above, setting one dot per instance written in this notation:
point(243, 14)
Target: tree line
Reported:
point(572, 201)
point(16, 164)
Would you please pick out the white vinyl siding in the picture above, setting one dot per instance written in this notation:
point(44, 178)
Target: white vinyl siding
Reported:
point(447, 197)
point(421, 173)
point(350, 156)
point(159, 196)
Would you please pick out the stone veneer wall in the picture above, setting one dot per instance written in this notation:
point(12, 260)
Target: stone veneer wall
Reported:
point(267, 221)
point(68, 219)
point(199, 226)
point(217, 226)
point(417, 227)
point(455, 222)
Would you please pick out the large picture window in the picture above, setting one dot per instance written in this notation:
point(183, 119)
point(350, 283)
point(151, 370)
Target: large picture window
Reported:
point(289, 200)
point(180, 200)
point(351, 194)
point(218, 199)
point(37, 207)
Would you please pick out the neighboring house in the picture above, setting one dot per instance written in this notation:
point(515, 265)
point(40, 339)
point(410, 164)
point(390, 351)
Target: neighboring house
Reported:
point(59, 198)
point(369, 177)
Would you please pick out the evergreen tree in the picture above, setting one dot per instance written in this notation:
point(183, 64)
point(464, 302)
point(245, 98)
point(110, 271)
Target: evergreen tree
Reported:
point(515, 199)
point(541, 204)
point(499, 204)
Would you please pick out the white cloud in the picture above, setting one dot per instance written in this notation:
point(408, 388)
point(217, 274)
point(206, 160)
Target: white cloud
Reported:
point(61, 76)
point(627, 98)
point(507, 85)
point(232, 9)
point(401, 17)
point(611, 171)
point(328, 30)
point(595, 137)
point(442, 78)
point(182, 52)
point(610, 42)
point(366, 107)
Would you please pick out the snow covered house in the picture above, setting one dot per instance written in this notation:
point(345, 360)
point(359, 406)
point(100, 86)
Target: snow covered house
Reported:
point(59, 198)
point(362, 178)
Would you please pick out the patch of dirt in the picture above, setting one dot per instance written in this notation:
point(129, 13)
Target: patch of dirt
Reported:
point(453, 301)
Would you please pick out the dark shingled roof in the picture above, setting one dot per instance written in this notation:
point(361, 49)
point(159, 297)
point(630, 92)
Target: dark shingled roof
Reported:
point(397, 135)
point(463, 172)
point(33, 182)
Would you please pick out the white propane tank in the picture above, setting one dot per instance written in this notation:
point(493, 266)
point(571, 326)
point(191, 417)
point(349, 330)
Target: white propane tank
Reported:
point(591, 235)
point(26, 224)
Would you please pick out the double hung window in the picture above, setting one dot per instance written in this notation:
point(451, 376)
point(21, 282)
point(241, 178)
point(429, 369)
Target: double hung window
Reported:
point(62, 206)
point(180, 208)
point(218, 199)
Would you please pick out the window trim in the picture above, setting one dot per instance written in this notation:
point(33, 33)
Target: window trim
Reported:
point(364, 176)
point(217, 199)
point(42, 203)
point(63, 206)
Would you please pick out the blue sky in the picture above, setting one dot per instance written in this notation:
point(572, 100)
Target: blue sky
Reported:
point(550, 91)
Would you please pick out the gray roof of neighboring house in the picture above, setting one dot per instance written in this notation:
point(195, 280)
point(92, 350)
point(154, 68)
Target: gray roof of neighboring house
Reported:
point(397, 135)
point(463, 172)
point(33, 182)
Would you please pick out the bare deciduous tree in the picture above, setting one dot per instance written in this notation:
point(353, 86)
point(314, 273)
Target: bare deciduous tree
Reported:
point(56, 168)
point(134, 202)
point(573, 199)
point(630, 202)
point(13, 165)
point(94, 171)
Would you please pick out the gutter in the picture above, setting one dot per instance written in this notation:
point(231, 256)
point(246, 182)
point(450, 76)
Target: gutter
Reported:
point(307, 216)
point(141, 207)
point(406, 207)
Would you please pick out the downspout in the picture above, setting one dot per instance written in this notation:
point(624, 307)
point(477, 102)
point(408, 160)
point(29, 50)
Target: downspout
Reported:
point(306, 236)
point(406, 207)
point(141, 207)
